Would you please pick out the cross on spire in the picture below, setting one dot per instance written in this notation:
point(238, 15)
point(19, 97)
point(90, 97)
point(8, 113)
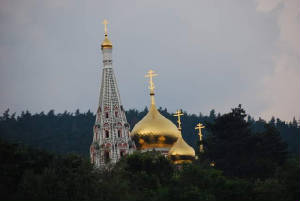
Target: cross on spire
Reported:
point(200, 127)
point(105, 22)
point(178, 114)
point(151, 74)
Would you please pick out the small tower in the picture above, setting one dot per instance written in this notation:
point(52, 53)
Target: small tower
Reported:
point(111, 138)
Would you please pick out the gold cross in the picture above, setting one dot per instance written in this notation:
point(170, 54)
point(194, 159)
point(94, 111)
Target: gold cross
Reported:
point(199, 127)
point(178, 114)
point(105, 22)
point(151, 74)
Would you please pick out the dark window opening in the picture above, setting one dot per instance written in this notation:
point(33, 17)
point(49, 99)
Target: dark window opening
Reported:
point(122, 153)
point(106, 114)
point(106, 133)
point(116, 113)
point(106, 157)
point(119, 133)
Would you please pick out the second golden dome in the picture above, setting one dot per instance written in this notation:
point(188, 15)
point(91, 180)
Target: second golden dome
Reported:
point(181, 152)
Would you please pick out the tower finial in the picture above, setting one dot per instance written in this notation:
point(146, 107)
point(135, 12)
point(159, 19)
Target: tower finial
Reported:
point(105, 22)
point(151, 74)
point(200, 127)
point(178, 114)
point(106, 44)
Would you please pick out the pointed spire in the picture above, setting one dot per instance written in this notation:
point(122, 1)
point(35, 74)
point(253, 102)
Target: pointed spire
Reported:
point(178, 114)
point(151, 74)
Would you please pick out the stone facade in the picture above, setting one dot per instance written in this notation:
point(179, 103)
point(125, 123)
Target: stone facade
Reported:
point(111, 139)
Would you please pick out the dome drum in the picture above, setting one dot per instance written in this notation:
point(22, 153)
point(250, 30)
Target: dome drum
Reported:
point(179, 159)
point(153, 141)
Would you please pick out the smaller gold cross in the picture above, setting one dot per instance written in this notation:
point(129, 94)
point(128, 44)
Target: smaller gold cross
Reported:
point(200, 127)
point(105, 22)
point(178, 114)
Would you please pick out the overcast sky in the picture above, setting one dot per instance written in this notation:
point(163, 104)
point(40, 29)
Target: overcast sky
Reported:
point(209, 54)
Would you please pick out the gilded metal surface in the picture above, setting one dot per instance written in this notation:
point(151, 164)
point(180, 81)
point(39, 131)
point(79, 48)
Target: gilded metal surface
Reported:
point(105, 22)
point(178, 114)
point(151, 74)
point(179, 160)
point(181, 152)
point(181, 148)
point(154, 124)
point(106, 42)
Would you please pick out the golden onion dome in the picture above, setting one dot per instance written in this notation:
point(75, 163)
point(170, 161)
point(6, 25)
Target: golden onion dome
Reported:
point(154, 131)
point(106, 43)
point(181, 152)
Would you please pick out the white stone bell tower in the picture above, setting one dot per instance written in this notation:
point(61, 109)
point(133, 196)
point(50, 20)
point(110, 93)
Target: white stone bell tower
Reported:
point(111, 138)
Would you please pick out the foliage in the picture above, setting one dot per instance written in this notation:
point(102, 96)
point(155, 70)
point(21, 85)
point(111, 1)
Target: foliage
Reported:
point(60, 133)
point(239, 152)
point(251, 161)
point(72, 132)
point(38, 175)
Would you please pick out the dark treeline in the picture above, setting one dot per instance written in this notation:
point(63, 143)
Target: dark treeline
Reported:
point(72, 132)
point(248, 165)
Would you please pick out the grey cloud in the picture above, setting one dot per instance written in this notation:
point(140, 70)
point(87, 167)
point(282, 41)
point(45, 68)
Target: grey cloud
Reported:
point(208, 54)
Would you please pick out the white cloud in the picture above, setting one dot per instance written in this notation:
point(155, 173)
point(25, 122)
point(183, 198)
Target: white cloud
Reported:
point(267, 5)
point(281, 88)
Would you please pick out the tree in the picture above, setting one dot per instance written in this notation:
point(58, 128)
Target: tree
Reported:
point(269, 152)
point(238, 152)
point(227, 145)
point(212, 114)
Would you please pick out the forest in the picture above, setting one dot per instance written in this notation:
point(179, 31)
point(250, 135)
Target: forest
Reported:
point(72, 132)
point(45, 157)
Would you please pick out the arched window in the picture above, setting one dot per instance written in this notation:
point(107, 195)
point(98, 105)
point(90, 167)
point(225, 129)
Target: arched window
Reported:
point(106, 133)
point(119, 133)
point(106, 157)
point(93, 158)
point(106, 114)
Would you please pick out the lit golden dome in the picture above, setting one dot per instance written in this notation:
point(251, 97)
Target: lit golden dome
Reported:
point(181, 152)
point(154, 130)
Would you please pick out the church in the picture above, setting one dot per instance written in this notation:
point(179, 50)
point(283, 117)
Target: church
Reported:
point(112, 138)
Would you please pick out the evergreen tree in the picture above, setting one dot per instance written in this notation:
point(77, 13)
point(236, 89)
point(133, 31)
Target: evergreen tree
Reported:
point(238, 152)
